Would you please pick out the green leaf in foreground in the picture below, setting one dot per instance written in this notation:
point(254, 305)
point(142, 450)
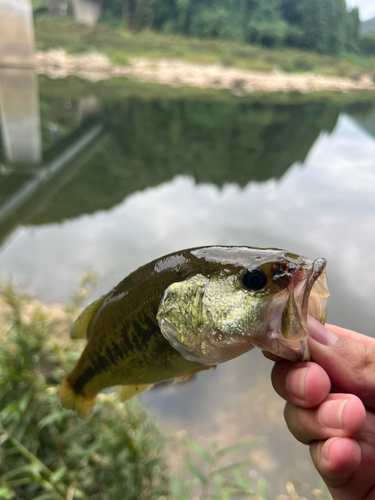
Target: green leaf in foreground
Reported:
point(202, 452)
point(234, 448)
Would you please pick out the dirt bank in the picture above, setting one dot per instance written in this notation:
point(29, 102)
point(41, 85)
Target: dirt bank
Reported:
point(176, 73)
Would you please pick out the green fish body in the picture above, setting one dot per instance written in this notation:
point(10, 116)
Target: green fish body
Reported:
point(189, 311)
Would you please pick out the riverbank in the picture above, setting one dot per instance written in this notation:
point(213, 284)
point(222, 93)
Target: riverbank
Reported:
point(120, 45)
point(179, 73)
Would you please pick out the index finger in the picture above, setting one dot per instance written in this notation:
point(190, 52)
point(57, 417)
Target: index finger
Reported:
point(352, 335)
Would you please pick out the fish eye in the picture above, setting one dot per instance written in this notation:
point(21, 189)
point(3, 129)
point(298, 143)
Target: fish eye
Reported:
point(255, 279)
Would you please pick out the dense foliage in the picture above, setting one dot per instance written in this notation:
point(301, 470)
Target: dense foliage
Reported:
point(368, 45)
point(321, 25)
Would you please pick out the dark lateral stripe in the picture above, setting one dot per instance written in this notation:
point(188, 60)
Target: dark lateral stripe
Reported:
point(141, 334)
point(101, 363)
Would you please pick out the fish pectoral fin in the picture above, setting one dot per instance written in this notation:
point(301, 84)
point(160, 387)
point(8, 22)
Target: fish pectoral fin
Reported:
point(80, 326)
point(187, 375)
point(128, 391)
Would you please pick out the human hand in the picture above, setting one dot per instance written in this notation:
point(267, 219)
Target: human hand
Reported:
point(331, 407)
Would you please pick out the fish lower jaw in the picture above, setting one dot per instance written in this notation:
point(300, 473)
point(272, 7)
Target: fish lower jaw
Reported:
point(275, 343)
point(293, 343)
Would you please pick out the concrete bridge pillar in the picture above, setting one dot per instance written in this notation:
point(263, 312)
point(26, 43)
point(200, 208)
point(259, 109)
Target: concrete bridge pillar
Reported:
point(19, 116)
point(19, 99)
point(16, 33)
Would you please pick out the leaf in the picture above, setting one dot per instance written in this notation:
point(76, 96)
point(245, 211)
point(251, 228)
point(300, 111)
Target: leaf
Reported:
point(24, 469)
point(44, 496)
point(243, 480)
point(200, 450)
point(35, 467)
point(3, 438)
point(238, 446)
point(232, 491)
point(24, 401)
point(262, 489)
point(58, 474)
point(51, 418)
point(77, 493)
point(6, 493)
point(196, 472)
point(232, 467)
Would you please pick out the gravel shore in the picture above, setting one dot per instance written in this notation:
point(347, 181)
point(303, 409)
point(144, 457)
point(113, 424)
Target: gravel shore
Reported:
point(177, 73)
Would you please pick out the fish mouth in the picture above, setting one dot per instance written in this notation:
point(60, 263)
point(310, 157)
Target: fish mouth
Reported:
point(306, 295)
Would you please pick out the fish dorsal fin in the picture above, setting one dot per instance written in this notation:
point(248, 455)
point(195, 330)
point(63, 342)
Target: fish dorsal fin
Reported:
point(80, 326)
point(128, 391)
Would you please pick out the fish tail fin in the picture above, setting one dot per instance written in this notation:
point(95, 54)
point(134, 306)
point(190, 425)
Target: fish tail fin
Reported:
point(70, 400)
point(128, 391)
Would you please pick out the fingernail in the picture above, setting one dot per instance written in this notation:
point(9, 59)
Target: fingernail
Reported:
point(330, 413)
point(296, 385)
point(326, 447)
point(319, 333)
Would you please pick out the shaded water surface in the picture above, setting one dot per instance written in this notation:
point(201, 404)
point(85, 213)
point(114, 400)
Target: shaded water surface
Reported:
point(126, 180)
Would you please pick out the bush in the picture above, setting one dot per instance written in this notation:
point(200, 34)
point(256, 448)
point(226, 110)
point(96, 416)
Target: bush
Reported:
point(367, 45)
point(269, 34)
point(46, 452)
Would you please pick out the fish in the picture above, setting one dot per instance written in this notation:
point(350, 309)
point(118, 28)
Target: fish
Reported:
point(189, 311)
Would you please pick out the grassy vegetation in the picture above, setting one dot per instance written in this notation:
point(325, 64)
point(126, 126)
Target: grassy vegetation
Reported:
point(47, 453)
point(120, 45)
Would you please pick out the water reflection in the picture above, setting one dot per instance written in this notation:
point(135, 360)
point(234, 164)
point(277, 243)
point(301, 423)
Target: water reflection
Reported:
point(366, 121)
point(165, 175)
point(19, 104)
point(150, 142)
point(31, 177)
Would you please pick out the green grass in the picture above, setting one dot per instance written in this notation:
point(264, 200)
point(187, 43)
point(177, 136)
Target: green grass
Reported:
point(46, 453)
point(120, 45)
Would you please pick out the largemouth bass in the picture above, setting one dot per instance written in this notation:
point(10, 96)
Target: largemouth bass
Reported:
point(189, 311)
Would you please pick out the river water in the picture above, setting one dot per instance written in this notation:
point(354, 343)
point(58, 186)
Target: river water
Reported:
point(125, 179)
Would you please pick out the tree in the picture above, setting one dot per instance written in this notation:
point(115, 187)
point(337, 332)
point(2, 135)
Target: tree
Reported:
point(130, 14)
point(337, 14)
point(321, 25)
point(352, 30)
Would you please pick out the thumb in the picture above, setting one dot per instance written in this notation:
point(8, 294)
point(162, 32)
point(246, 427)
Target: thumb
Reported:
point(347, 357)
